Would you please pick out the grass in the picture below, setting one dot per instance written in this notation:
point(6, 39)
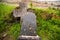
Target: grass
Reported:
point(47, 29)
point(5, 11)
point(12, 28)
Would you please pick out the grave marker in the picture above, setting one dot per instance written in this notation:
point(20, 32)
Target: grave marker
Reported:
point(28, 26)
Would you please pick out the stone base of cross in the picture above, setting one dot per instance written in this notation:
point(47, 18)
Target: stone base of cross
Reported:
point(29, 38)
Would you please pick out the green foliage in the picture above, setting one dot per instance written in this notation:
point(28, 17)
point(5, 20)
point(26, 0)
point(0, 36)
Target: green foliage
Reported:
point(5, 11)
point(14, 30)
point(31, 4)
point(47, 29)
point(6, 21)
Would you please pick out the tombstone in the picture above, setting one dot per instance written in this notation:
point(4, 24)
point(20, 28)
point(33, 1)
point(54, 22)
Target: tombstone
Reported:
point(28, 24)
point(28, 27)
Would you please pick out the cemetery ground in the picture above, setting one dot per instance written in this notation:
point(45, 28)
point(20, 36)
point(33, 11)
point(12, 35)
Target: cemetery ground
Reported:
point(48, 23)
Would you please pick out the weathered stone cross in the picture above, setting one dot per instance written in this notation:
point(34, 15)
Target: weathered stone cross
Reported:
point(28, 26)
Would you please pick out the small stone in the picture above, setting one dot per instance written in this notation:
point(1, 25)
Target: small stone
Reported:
point(34, 31)
point(24, 29)
point(5, 35)
point(30, 28)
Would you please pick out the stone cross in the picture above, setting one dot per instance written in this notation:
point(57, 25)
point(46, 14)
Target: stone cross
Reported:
point(28, 24)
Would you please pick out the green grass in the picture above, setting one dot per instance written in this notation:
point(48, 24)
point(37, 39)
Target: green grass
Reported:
point(14, 30)
point(46, 29)
point(5, 11)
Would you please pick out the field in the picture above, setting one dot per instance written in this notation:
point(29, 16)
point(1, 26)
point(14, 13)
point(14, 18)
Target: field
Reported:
point(48, 23)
